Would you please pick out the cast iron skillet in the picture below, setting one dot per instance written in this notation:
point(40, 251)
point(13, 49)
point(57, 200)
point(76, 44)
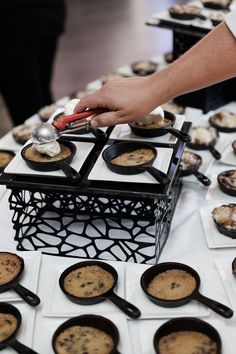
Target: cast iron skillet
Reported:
point(154, 132)
point(223, 230)
point(150, 273)
point(220, 128)
point(123, 305)
point(119, 148)
point(11, 341)
point(226, 189)
point(234, 146)
point(193, 170)
point(209, 147)
point(27, 295)
point(94, 321)
point(2, 167)
point(215, 6)
point(186, 16)
point(63, 164)
point(187, 324)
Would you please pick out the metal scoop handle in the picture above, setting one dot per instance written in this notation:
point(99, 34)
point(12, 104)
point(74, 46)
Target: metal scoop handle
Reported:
point(62, 122)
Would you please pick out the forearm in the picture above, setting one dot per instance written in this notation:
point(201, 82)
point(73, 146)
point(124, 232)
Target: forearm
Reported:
point(211, 60)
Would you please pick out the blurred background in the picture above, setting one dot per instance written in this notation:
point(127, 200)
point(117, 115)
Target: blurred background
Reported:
point(99, 37)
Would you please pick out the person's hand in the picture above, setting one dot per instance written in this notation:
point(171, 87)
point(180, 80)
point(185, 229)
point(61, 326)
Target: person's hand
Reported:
point(123, 101)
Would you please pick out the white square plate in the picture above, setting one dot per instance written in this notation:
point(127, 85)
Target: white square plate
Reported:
point(228, 156)
point(18, 165)
point(46, 328)
point(213, 237)
point(101, 172)
point(224, 267)
point(147, 330)
point(135, 295)
point(26, 330)
point(56, 304)
point(123, 132)
point(30, 275)
point(215, 193)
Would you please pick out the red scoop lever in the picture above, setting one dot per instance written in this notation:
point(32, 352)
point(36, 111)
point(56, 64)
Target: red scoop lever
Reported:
point(61, 122)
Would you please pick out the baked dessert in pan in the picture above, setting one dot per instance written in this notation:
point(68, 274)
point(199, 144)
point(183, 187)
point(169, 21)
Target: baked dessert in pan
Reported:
point(225, 219)
point(5, 157)
point(32, 154)
point(173, 107)
point(217, 17)
point(22, 133)
point(45, 112)
point(169, 57)
point(216, 4)
point(186, 12)
point(227, 182)
point(144, 67)
point(224, 121)
point(190, 161)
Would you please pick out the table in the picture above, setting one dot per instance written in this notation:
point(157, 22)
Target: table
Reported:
point(186, 244)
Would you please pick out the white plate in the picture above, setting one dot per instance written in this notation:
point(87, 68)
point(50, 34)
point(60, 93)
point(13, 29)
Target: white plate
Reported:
point(135, 295)
point(56, 304)
point(123, 132)
point(101, 172)
point(228, 156)
point(46, 328)
point(147, 330)
point(213, 237)
point(30, 275)
point(18, 165)
point(26, 330)
point(215, 193)
point(224, 267)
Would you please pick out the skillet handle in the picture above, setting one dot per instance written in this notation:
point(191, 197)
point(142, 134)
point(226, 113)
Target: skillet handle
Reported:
point(27, 295)
point(202, 17)
point(130, 310)
point(157, 174)
point(214, 152)
point(202, 178)
point(180, 135)
point(21, 348)
point(98, 133)
point(70, 172)
point(215, 306)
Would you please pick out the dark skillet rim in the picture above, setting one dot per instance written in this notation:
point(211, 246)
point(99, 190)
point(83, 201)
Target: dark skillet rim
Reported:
point(10, 152)
point(182, 324)
point(170, 266)
point(211, 5)
point(76, 321)
point(133, 146)
point(12, 310)
point(189, 171)
point(53, 165)
point(234, 266)
point(220, 128)
point(154, 132)
point(226, 189)
point(143, 72)
point(234, 146)
point(97, 298)
point(6, 286)
point(222, 229)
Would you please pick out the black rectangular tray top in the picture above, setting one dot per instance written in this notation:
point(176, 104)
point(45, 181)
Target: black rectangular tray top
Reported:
point(92, 187)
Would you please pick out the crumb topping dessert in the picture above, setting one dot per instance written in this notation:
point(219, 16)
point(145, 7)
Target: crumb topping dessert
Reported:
point(225, 215)
point(224, 119)
point(33, 155)
point(8, 325)
point(143, 67)
point(134, 158)
point(46, 112)
point(10, 267)
point(184, 9)
point(5, 158)
point(172, 284)
point(153, 121)
point(83, 340)
point(190, 161)
point(228, 179)
point(217, 16)
point(23, 132)
point(187, 342)
point(203, 135)
point(173, 107)
point(88, 281)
